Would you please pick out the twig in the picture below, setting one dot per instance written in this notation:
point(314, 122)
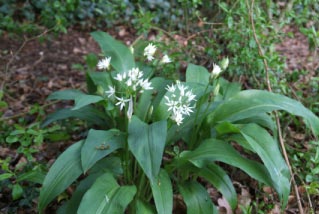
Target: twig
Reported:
point(282, 144)
point(164, 31)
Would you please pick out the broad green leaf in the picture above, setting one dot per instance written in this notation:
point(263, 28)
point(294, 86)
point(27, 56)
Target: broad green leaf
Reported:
point(163, 193)
point(68, 94)
point(197, 74)
point(87, 113)
point(267, 149)
point(99, 144)
point(254, 102)
point(111, 164)
point(81, 99)
point(219, 179)
point(106, 196)
point(196, 198)
point(217, 150)
point(65, 170)
point(94, 79)
point(121, 57)
point(86, 99)
point(265, 120)
point(228, 89)
point(147, 143)
point(72, 205)
point(226, 127)
point(144, 208)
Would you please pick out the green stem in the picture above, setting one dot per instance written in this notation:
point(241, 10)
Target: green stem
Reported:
point(141, 185)
point(193, 136)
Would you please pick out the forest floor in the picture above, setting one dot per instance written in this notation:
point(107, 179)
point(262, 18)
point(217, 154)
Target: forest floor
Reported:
point(45, 65)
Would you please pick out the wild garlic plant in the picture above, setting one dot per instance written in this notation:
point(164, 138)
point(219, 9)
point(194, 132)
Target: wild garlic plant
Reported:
point(152, 138)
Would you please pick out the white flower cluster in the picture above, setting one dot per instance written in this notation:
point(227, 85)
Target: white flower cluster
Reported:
point(179, 101)
point(133, 83)
point(133, 80)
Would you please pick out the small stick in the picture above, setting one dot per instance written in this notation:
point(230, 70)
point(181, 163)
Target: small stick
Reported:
point(282, 144)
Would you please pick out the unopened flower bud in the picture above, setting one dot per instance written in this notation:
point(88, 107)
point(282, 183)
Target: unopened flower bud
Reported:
point(100, 90)
point(131, 49)
point(216, 71)
point(224, 63)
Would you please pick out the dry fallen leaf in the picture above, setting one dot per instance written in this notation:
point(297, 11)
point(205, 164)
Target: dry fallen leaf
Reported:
point(223, 203)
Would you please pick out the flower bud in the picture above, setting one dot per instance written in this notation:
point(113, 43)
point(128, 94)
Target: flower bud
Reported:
point(224, 63)
point(216, 71)
point(131, 49)
point(100, 90)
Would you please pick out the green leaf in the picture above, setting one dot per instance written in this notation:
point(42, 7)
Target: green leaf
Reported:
point(17, 191)
point(121, 57)
point(68, 94)
point(12, 139)
point(197, 199)
point(108, 164)
point(147, 143)
point(267, 149)
point(99, 144)
point(217, 150)
point(73, 204)
point(5, 176)
point(86, 99)
point(94, 79)
point(265, 120)
point(65, 170)
point(81, 99)
point(219, 178)
point(87, 113)
point(144, 208)
point(226, 128)
point(254, 102)
point(35, 175)
point(228, 89)
point(3, 104)
point(106, 196)
point(197, 74)
point(163, 193)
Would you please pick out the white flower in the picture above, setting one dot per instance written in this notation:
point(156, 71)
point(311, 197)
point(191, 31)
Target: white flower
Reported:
point(190, 96)
point(171, 88)
point(178, 118)
point(216, 70)
point(145, 84)
point(110, 92)
point(166, 59)
point(149, 51)
point(121, 102)
point(119, 77)
point(135, 74)
point(130, 109)
point(104, 63)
